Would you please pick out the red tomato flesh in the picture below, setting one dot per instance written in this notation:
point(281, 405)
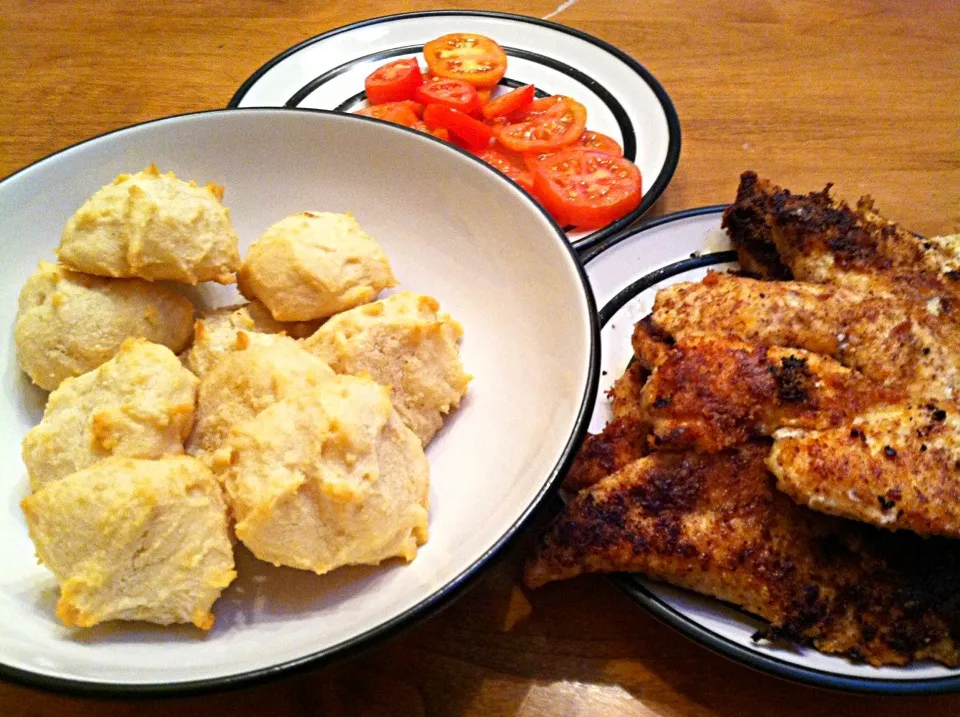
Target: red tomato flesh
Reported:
point(456, 94)
point(396, 112)
point(546, 127)
point(513, 101)
point(393, 82)
point(473, 133)
point(464, 56)
point(510, 163)
point(587, 189)
point(596, 142)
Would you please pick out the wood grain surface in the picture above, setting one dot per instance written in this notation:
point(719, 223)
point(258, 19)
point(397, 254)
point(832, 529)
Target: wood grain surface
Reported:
point(863, 94)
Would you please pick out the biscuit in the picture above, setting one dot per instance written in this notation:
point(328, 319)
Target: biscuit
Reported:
point(69, 323)
point(233, 328)
point(132, 539)
point(139, 404)
point(153, 226)
point(313, 265)
point(245, 382)
point(328, 478)
point(402, 342)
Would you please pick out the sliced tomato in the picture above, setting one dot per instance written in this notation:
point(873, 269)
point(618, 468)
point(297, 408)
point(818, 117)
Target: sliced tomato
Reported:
point(556, 125)
point(587, 189)
point(596, 142)
point(393, 82)
point(458, 94)
point(464, 56)
point(439, 132)
point(473, 133)
point(536, 108)
point(588, 142)
point(484, 95)
point(513, 101)
point(396, 112)
point(510, 163)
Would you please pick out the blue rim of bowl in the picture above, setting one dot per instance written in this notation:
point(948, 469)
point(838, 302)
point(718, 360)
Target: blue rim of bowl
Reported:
point(661, 610)
point(436, 600)
point(659, 184)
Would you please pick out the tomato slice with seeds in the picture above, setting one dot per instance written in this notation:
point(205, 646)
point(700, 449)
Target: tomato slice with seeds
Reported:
point(396, 112)
point(546, 127)
point(513, 101)
point(458, 94)
point(393, 82)
point(510, 163)
point(464, 56)
point(597, 142)
point(587, 189)
point(473, 133)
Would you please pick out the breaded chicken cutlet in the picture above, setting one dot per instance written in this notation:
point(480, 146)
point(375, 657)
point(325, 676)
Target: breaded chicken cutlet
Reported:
point(818, 238)
point(716, 524)
point(777, 423)
point(624, 438)
point(881, 338)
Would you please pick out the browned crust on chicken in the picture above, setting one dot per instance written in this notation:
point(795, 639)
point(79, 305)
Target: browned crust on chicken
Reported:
point(714, 393)
point(818, 238)
point(746, 223)
point(622, 441)
point(882, 338)
point(896, 467)
point(715, 523)
point(650, 344)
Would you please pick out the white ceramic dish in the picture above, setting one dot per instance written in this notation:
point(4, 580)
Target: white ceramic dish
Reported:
point(625, 275)
point(622, 98)
point(494, 260)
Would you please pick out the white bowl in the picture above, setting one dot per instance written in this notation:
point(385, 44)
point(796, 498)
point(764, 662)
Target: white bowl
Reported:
point(454, 229)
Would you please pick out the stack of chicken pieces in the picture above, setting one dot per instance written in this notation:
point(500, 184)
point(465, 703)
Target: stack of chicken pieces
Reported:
point(787, 438)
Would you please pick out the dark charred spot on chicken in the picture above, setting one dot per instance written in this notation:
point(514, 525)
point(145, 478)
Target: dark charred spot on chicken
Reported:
point(792, 379)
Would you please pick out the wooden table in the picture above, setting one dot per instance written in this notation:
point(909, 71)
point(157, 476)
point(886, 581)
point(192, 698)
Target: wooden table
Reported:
point(864, 94)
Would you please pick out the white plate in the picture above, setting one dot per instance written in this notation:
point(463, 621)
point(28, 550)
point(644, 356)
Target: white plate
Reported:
point(625, 275)
point(622, 98)
point(495, 261)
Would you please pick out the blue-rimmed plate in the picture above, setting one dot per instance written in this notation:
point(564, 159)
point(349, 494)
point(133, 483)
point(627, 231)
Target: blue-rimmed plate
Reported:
point(623, 99)
point(625, 274)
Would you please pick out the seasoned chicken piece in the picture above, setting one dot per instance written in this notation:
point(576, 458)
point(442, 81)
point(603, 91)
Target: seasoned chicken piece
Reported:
point(897, 467)
point(650, 345)
point(876, 335)
point(820, 239)
point(714, 393)
point(622, 441)
point(716, 524)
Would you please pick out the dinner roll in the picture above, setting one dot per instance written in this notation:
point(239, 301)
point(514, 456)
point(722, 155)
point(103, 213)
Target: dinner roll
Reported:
point(313, 265)
point(403, 342)
point(233, 328)
point(153, 226)
point(69, 323)
point(245, 382)
point(132, 539)
point(138, 404)
point(328, 478)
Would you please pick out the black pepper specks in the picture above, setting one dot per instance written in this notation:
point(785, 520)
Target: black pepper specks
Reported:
point(939, 415)
point(890, 451)
point(661, 402)
point(886, 503)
